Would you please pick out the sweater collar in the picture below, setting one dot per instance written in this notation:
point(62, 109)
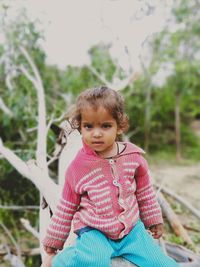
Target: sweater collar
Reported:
point(88, 150)
point(130, 148)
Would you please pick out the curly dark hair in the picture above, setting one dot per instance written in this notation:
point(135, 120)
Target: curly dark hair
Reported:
point(110, 99)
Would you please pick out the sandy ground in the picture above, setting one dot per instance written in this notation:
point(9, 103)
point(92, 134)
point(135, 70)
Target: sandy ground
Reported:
point(183, 180)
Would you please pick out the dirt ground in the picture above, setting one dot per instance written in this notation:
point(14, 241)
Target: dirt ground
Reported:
point(183, 180)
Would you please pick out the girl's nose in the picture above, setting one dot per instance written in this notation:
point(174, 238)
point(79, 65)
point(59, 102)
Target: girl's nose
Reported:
point(97, 133)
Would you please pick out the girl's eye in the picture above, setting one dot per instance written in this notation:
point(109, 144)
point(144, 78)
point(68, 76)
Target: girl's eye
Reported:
point(106, 126)
point(87, 126)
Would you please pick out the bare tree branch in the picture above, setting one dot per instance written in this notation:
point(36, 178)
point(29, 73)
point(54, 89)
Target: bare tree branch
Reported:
point(123, 83)
point(33, 66)
point(8, 82)
point(29, 130)
point(67, 97)
point(14, 260)
point(28, 75)
point(182, 201)
point(12, 207)
point(34, 173)
point(14, 160)
point(27, 252)
point(117, 84)
point(4, 108)
point(8, 233)
point(29, 228)
point(174, 220)
point(130, 134)
point(52, 159)
point(100, 77)
point(53, 120)
point(41, 141)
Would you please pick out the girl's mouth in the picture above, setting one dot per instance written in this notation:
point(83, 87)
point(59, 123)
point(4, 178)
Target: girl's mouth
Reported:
point(97, 143)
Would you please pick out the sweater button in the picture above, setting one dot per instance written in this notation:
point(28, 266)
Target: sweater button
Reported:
point(115, 183)
point(121, 201)
point(111, 161)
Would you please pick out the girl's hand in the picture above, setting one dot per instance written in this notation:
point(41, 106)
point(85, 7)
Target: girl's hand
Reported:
point(47, 262)
point(50, 250)
point(157, 230)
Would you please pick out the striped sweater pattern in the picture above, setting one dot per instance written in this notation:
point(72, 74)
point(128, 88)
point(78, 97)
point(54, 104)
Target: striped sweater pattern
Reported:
point(110, 195)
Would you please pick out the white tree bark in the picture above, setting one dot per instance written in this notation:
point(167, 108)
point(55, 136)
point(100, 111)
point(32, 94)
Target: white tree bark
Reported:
point(4, 108)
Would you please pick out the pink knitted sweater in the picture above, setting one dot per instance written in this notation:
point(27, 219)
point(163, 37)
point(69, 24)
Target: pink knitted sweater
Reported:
point(107, 194)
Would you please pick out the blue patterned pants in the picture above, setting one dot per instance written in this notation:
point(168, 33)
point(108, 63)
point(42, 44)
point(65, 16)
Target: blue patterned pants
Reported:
point(94, 249)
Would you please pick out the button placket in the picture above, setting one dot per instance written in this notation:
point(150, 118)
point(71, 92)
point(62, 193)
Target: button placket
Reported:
point(114, 172)
point(121, 201)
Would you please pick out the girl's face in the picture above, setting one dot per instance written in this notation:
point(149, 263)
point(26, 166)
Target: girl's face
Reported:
point(99, 130)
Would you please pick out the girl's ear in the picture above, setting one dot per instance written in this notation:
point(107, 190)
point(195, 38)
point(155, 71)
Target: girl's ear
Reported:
point(119, 131)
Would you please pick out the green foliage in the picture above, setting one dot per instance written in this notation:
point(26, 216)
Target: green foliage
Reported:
point(76, 79)
point(32, 261)
point(18, 190)
point(191, 145)
point(175, 239)
point(102, 61)
point(135, 110)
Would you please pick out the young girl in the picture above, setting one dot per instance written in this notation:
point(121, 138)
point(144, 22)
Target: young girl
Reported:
point(107, 193)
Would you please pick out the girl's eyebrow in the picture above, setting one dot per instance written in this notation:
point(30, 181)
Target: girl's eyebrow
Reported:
point(85, 123)
point(91, 122)
point(108, 122)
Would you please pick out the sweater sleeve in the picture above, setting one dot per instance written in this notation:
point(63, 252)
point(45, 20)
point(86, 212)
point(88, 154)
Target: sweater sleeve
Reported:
point(60, 223)
point(150, 211)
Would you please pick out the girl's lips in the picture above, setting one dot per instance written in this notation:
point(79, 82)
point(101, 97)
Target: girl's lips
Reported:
point(97, 143)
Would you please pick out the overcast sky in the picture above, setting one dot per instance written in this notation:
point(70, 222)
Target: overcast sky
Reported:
point(73, 26)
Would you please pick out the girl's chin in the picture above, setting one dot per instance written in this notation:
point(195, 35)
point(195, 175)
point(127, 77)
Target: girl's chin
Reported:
point(97, 146)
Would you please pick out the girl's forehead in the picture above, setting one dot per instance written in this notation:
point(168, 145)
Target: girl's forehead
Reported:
point(96, 114)
point(94, 108)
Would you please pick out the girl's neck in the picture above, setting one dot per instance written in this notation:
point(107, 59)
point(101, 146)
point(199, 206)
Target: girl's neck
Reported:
point(114, 151)
point(119, 148)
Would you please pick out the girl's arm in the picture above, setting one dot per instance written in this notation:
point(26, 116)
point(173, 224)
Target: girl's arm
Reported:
point(150, 211)
point(60, 225)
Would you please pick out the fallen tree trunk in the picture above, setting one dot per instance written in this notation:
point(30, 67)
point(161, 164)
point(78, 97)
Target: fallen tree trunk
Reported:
point(173, 220)
point(184, 256)
point(192, 209)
